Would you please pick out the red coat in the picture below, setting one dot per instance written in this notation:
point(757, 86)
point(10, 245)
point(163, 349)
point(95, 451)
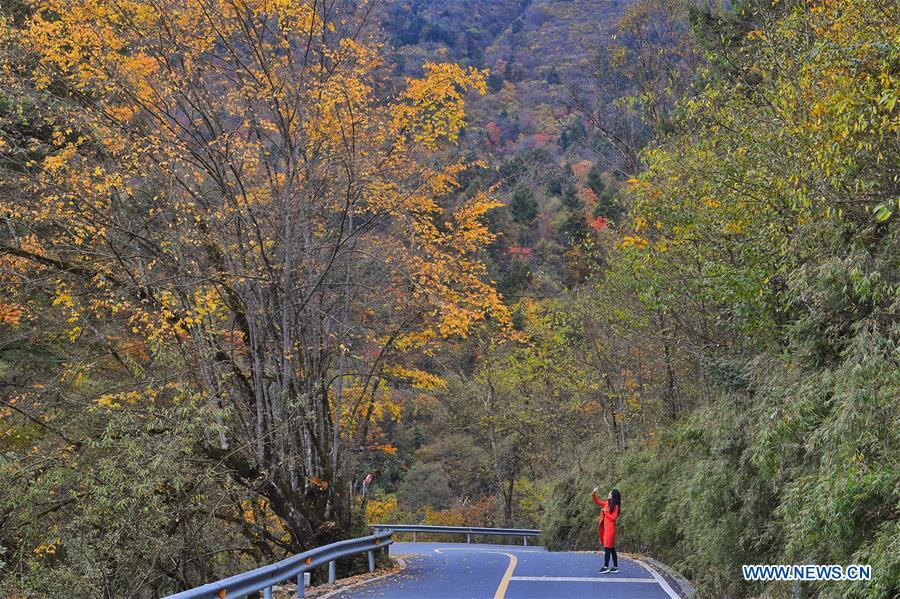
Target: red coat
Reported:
point(607, 527)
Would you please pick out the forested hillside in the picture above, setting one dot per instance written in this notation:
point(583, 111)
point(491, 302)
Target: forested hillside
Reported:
point(274, 271)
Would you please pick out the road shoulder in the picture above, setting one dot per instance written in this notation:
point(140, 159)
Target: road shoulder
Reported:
point(678, 583)
point(327, 591)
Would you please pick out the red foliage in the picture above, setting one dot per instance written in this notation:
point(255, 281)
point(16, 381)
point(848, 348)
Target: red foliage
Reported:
point(493, 133)
point(518, 250)
point(540, 140)
point(599, 223)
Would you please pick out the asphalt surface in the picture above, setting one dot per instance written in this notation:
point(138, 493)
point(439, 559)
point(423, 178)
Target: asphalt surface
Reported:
point(462, 571)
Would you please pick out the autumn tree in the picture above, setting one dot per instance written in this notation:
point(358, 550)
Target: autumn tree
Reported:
point(237, 191)
point(635, 78)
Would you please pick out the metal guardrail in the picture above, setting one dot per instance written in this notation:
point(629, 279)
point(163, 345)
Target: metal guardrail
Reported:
point(465, 530)
point(263, 579)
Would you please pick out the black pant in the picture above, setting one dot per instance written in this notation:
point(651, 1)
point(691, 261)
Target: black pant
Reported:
point(610, 551)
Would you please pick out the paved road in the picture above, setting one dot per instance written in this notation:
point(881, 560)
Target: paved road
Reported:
point(461, 571)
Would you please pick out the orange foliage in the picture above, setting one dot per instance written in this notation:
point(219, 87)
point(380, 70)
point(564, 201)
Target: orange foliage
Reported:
point(479, 513)
point(581, 169)
point(588, 197)
point(11, 314)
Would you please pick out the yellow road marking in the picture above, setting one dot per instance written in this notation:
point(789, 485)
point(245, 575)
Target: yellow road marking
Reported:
point(504, 582)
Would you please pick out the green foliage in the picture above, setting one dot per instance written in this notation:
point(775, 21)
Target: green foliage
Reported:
point(570, 197)
point(595, 179)
point(554, 186)
point(572, 134)
point(692, 497)
point(573, 228)
point(763, 226)
point(523, 206)
point(126, 512)
point(570, 520)
point(605, 191)
point(832, 443)
point(426, 484)
point(98, 502)
point(553, 77)
point(515, 279)
point(463, 462)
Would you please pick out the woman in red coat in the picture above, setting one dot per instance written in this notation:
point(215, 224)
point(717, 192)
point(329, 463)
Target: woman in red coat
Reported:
point(611, 508)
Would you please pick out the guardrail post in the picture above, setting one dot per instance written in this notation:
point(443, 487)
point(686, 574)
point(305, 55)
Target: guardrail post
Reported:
point(525, 541)
point(332, 574)
point(468, 538)
point(371, 561)
point(267, 593)
point(414, 536)
point(301, 582)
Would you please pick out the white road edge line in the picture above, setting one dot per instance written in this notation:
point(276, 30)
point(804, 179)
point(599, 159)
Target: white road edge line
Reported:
point(503, 550)
point(581, 579)
point(660, 580)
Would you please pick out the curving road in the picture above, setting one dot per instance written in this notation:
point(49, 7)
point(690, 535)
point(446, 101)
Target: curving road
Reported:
point(462, 571)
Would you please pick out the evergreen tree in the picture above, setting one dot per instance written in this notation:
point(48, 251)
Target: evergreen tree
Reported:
point(523, 206)
point(595, 180)
point(570, 197)
point(553, 76)
point(554, 186)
